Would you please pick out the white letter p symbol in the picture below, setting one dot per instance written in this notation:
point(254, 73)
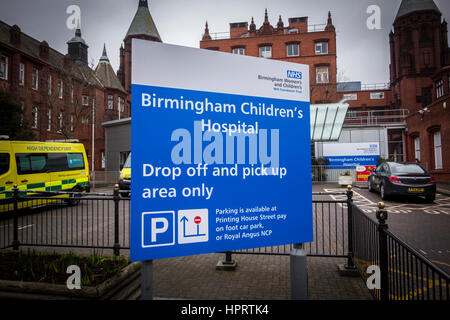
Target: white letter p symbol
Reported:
point(156, 230)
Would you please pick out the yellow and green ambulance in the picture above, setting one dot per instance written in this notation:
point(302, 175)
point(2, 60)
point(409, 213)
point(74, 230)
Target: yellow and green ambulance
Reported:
point(41, 166)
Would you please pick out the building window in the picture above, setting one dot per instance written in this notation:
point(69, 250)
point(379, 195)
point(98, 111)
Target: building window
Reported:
point(417, 148)
point(21, 74)
point(322, 74)
point(240, 51)
point(50, 84)
point(439, 88)
point(4, 67)
point(49, 125)
point(377, 95)
point(437, 150)
point(110, 102)
point(85, 100)
point(292, 50)
point(121, 104)
point(350, 96)
point(321, 47)
point(265, 52)
point(85, 120)
point(34, 117)
point(35, 79)
point(71, 94)
point(60, 89)
point(71, 122)
point(60, 122)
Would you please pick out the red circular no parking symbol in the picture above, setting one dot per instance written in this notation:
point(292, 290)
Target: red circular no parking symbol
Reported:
point(197, 219)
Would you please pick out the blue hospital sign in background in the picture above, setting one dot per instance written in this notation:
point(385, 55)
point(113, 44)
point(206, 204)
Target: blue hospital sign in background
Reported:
point(220, 152)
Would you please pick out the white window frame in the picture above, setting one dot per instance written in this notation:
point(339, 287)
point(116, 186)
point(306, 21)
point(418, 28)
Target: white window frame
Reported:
point(50, 84)
point(265, 52)
point(34, 117)
point(240, 51)
point(35, 79)
point(110, 102)
point(71, 122)
point(350, 96)
point(60, 88)
point(320, 79)
point(321, 47)
point(60, 122)
point(294, 47)
point(417, 148)
point(437, 150)
point(121, 104)
point(376, 95)
point(439, 88)
point(49, 114)
point(4, 67)
point(85, 100)
point(21, 74)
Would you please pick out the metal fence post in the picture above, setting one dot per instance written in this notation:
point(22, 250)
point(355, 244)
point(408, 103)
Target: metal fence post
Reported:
point(383, 251)
point(299, 272)
point(116, 247)
point(350, 264)
point(228, 264)
point(16, 242)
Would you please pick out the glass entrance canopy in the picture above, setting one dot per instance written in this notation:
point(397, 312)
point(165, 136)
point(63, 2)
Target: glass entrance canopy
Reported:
point(327, 120)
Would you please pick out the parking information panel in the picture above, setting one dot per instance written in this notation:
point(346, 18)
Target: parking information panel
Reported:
point(221, 152)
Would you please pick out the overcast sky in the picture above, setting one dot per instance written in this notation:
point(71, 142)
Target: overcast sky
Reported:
point(362, 54)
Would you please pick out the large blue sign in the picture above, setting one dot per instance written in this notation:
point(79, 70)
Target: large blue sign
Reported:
point(221, 152)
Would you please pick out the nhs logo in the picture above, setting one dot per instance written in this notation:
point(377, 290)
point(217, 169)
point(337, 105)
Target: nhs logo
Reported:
point(294, 74)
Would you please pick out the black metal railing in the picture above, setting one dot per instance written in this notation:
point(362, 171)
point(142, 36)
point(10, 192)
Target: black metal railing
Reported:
point(391, 268)
point(341, 230)
point(64, 219)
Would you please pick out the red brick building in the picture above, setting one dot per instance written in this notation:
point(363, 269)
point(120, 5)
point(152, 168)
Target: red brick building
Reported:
point(314, 45)
point(61, 95)
point(419, 75)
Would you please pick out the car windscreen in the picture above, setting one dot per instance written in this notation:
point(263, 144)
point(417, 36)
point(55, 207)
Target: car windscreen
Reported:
point(408, 168)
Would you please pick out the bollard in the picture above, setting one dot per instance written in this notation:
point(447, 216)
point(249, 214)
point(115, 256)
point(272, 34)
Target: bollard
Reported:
point(383, 251)
point(116, 247)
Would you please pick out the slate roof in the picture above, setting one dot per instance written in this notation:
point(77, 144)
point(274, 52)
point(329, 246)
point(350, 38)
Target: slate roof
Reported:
point(143, 23)
point(409, 6)
point(106, 74)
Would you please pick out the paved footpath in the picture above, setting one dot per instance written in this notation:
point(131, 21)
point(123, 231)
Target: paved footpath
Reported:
point(256, 277)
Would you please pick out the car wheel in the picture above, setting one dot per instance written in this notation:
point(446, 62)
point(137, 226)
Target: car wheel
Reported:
point(74, 193)
point(370, 185)
point(430, 198)
point(383, 194)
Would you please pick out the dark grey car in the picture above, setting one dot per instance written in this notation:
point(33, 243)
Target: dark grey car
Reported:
point(402, 178)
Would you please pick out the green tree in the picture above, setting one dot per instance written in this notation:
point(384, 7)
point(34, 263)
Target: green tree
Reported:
point(13, 122)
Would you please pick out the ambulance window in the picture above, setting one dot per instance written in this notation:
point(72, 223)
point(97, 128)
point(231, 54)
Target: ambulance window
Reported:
point(37, 163)
point(75, 160)
point(57, 162)
point(4, 163)
point(31, 163)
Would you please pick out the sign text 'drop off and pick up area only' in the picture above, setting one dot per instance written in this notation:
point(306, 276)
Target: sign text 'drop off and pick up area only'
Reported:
point(221, 152)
